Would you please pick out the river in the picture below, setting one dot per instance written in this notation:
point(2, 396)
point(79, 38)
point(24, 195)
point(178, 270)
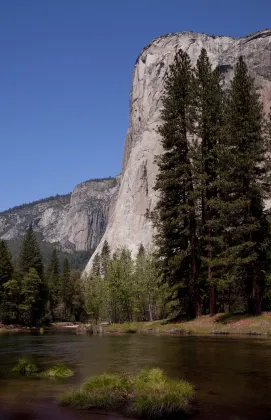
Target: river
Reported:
point(232, 376)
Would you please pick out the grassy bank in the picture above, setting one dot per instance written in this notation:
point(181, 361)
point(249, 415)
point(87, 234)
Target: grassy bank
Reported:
point(149, 394)
point(219, 324)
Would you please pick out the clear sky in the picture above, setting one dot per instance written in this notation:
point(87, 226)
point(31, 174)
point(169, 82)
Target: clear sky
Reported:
point(65, 76)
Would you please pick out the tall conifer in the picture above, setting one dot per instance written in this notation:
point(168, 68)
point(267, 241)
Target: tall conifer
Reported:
point(30, 256)
point(174, 216)
point(209, 128)
point(6, 266)
point(243, 188)
point(105, 258)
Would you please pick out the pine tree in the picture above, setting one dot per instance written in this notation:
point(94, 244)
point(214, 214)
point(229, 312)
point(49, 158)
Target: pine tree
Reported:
point(30, 256)
point(9, 308)
point(175, 215)
point(209, 105)
point(53, 281)
point(96, 267)
point(243, 187)
point(6, 266)
point(66, 290)
point(31, 303)
point(105, 258)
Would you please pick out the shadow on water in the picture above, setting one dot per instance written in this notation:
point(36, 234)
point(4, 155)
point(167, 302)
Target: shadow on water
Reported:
point(232, 376)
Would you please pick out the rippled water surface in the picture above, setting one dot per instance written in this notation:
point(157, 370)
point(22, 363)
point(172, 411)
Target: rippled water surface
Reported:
point(232, 376)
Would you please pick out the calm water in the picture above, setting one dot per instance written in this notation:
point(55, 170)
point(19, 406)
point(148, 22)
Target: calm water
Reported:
point(232, 376)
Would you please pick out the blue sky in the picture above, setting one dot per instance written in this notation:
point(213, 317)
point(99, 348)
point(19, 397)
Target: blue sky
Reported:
point(65, 76)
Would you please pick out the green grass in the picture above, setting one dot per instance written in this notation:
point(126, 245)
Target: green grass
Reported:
point(157, 396)
point(25, 368)
point(57, 372)
point(222, 323)
point(149, 394)
point(103, 391)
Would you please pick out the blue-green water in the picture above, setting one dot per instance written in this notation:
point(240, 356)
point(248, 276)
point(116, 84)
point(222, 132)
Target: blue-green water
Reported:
point(232, 376)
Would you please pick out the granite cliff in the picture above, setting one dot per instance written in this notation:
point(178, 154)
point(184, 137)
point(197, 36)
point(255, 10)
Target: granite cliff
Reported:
point(128, 225)
point(76, 221)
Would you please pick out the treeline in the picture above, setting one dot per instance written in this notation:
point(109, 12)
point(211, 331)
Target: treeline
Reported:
point(32, 294)
point(61, 197)
point(213, 240)
point(123, 289)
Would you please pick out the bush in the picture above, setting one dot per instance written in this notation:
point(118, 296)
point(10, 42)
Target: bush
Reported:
point(25, 368)
point(149, 394)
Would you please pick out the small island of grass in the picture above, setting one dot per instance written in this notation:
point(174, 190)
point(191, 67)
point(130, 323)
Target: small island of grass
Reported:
point(149, 394)
point(26, 368)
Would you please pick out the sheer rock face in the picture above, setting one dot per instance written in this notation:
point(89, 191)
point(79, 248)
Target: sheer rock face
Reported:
point(76, 221)
point(128, 225)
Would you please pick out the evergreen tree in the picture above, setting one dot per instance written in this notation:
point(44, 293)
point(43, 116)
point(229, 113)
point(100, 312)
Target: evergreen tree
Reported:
point(105, 258)
point(31, 303)
point(96, 267)
point(9, 308)
point(77, 302)
point(6, 267)
point(243, 187)
point(175, 213)
point(209, 105)
point(53, 281)
point(66, 290)
point(30, 256)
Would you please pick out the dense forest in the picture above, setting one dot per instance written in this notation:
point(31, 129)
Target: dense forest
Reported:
point(31, 293)
point(212, 243)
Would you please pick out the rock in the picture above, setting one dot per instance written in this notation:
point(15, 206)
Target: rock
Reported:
point(128, 224)
point(76, 221)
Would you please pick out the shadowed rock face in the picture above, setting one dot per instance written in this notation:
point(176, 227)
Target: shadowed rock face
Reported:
point(77, 221)
point(128, 225)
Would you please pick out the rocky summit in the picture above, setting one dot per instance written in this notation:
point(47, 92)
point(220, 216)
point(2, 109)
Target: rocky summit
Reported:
point(128, 224)
point(75, 221)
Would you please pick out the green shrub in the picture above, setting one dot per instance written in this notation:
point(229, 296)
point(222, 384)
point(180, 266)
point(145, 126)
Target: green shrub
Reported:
point(25, 368)
point(149, 394)
point(57, 372)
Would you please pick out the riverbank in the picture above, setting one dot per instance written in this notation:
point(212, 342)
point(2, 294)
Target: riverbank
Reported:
point(17, 328)
point(220, 324)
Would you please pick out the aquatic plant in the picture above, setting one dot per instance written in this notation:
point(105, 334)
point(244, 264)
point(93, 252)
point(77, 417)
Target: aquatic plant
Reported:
point(149, 394)
point(25, 368)
point(57, 372)
point(103, 391)
point(155, 395)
